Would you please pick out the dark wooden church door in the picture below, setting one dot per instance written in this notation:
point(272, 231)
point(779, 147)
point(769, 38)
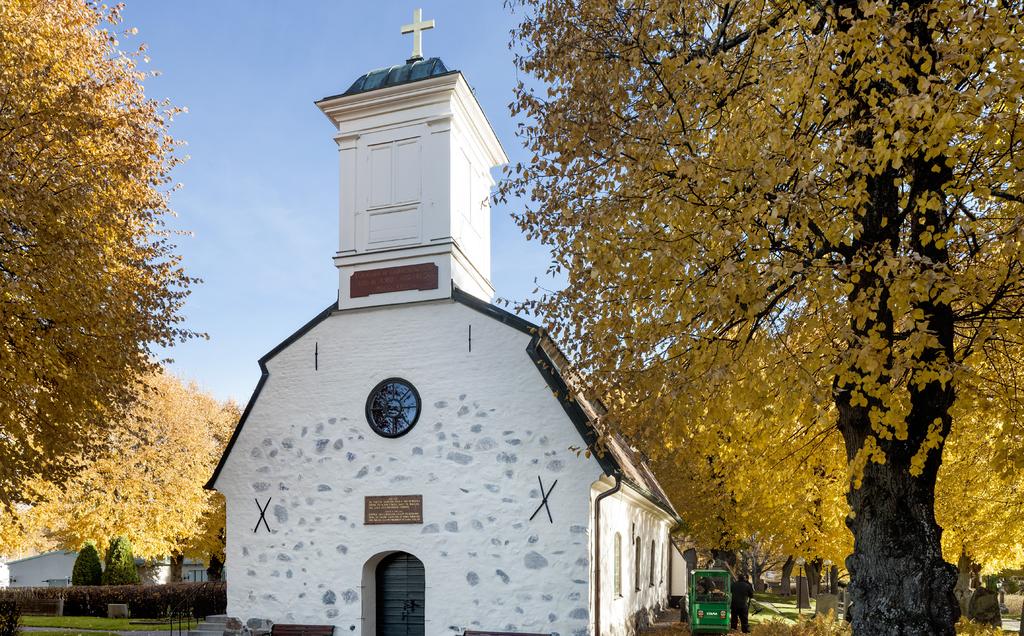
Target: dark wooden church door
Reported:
point(400, 594)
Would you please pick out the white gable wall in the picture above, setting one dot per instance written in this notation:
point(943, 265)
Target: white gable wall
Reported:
point(489, 427)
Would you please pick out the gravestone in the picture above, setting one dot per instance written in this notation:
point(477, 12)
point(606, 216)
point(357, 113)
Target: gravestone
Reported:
point(825, 603)
point(117, 610)
point(984, 608)
point(803, 596)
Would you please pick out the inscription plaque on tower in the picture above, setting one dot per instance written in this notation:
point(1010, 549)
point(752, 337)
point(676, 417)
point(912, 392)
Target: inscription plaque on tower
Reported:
point(393, 509)
point(392, 279)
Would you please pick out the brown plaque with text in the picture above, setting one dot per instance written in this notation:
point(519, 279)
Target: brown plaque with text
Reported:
point(392, 279)
point(393, 509)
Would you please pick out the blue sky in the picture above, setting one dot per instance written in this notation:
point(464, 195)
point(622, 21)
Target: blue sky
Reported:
point(261, 186)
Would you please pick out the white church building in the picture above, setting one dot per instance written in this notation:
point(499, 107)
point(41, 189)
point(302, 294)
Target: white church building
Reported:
point(409, 460)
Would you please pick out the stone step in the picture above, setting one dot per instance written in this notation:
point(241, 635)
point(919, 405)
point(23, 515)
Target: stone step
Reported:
point(206, 632)
point(217, 618)
point(209, 627)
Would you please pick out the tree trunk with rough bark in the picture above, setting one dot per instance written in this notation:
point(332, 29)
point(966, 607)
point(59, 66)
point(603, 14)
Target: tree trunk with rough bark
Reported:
point(757, 578)
point(177, 563)
point(899, 582)
point(833, 580)
point(813, 573)
point(787, 573)
point(215, 572)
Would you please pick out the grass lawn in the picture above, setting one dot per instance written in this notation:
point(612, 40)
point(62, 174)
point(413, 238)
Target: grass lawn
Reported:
point(773, 606)
point(93, 623)
point(70, 633)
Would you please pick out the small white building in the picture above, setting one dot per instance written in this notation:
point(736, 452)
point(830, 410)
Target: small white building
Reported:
point(408, 462)
point(50, 569)
point(54, 569)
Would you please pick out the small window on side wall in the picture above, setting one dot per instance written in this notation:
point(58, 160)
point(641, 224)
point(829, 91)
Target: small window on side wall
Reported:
point(617, 566)
point(653, 558)
point(636, 563)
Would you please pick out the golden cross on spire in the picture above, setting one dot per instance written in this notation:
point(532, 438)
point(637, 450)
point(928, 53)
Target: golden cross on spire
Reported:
point(418, 26)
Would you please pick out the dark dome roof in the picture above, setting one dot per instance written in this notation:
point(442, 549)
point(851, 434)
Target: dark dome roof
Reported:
point(411, 71)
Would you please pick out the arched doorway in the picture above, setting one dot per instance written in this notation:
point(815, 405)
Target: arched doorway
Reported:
point(400, 595)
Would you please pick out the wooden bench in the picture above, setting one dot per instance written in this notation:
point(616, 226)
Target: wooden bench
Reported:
point(280, 629)
point(42, 606)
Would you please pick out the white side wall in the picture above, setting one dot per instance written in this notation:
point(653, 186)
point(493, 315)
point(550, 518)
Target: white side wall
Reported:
point(5, 576)
point(636, 521)
point(489, 428)
point(36, 571)
point(680, 576)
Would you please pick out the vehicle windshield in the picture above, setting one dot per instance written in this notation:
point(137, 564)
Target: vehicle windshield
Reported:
point(711, 588)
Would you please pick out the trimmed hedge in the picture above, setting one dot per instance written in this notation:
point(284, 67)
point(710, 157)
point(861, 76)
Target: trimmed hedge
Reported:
point(10, 618)
point(87, 570)
point(144, 601)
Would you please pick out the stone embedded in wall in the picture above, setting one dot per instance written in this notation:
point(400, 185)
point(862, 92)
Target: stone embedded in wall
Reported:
point(501, 575)
point(472, 578)
point(534, 561)
point(329, 597)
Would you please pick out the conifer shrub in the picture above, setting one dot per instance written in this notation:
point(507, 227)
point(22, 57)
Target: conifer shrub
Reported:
point(87, 570)
point(120, 564)
point(10, 618)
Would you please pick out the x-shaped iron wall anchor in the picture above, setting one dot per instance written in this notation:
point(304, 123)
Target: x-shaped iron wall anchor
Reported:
point(544, 499)
point(263, 515)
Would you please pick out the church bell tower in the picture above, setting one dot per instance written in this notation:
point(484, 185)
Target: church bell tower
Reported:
point(416, 154)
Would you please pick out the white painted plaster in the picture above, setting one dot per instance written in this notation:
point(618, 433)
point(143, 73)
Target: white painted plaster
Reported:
point(415, 164)
point(489, 427)
point(626, 513)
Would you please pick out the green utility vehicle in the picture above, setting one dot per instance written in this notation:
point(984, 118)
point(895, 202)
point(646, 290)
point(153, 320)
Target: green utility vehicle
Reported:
point(710, 599)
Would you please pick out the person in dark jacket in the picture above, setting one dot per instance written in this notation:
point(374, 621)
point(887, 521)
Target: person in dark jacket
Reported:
point(742, 593)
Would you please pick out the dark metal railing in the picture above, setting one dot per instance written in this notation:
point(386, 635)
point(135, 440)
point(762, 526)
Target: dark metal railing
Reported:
point(195, 605)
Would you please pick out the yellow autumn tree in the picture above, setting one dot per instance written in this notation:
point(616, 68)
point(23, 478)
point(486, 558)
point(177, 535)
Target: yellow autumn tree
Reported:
point(147, 483)
point(806, 213)
point(88, 280)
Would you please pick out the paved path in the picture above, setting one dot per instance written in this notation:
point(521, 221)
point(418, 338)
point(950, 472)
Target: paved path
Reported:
point(1011, 626)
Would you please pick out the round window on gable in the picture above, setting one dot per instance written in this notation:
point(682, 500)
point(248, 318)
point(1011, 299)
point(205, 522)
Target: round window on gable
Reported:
point(393, 407)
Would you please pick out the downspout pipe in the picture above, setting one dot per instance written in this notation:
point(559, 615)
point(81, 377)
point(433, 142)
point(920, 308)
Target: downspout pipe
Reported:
point(597, 549)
